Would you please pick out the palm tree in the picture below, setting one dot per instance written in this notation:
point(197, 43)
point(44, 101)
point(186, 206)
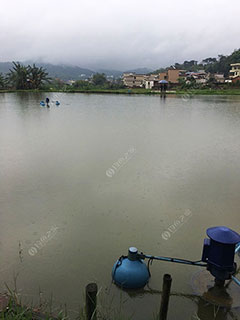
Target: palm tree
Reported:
point(3, 82)
point(18, 76)
point(37, 76)
point(30, 77)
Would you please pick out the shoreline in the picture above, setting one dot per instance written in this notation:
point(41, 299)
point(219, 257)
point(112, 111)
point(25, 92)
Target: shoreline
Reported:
point(190, 92)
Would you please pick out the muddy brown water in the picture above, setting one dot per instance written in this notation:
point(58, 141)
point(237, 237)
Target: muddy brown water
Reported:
point(82, 182)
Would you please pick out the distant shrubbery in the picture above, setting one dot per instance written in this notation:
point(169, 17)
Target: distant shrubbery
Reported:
point(82, 84)
point(98, 81)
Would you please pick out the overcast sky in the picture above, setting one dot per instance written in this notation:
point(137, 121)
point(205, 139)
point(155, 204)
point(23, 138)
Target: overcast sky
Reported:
point(118, 34)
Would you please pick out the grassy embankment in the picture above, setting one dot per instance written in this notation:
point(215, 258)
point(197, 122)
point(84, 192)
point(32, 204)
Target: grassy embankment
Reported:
point(228, 91)
point(68, 90)
point(12, 308)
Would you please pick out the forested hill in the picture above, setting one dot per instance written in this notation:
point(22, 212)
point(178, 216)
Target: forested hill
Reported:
point(221, 64)
point(66, 72)
point(56, 71)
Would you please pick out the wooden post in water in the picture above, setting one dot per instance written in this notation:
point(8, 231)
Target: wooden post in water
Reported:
point(91, 301)
point(167, 281)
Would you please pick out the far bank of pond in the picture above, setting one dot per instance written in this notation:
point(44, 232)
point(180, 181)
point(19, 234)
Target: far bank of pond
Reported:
point(139, 91)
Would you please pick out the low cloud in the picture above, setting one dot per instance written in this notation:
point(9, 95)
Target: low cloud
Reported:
point(117, 34)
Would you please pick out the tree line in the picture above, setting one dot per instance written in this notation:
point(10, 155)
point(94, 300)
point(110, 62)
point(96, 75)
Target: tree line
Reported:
point(98, 81)
point(221, 64)
point(22, 77)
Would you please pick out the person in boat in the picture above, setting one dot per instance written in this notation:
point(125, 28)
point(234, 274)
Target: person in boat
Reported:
point(47, 101)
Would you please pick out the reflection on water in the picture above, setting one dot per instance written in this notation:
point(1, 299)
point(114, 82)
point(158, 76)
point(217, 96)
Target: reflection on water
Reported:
point(53, 166)
point(207, 308)
point(204, 285)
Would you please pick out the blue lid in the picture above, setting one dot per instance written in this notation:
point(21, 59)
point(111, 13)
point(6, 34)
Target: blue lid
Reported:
point(133, 250)
point(223, 235)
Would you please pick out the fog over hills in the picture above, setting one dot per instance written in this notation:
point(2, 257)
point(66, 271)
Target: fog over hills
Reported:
point(117, 35)
point(63, 72)
point(5, 66)
point(69, 72)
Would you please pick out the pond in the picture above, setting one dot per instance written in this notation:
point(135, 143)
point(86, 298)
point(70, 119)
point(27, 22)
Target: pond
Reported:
point(82, 182)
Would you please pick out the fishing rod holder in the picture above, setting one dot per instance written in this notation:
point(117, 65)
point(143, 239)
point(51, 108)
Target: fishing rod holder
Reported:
point(130, 272)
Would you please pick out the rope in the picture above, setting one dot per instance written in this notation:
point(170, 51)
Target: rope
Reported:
point(150, 261)
point(118, 264)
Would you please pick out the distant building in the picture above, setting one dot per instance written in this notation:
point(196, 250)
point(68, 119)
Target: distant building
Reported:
point(151, 81)
point(200, 77)
point(235, 70)
point(163, 76)
point(133, 80)
point(172, 75)
point(219, 78)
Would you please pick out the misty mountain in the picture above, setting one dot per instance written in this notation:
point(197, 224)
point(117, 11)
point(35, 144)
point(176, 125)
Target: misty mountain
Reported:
point(5, 66)
point(68, 72)
point(63, 72)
